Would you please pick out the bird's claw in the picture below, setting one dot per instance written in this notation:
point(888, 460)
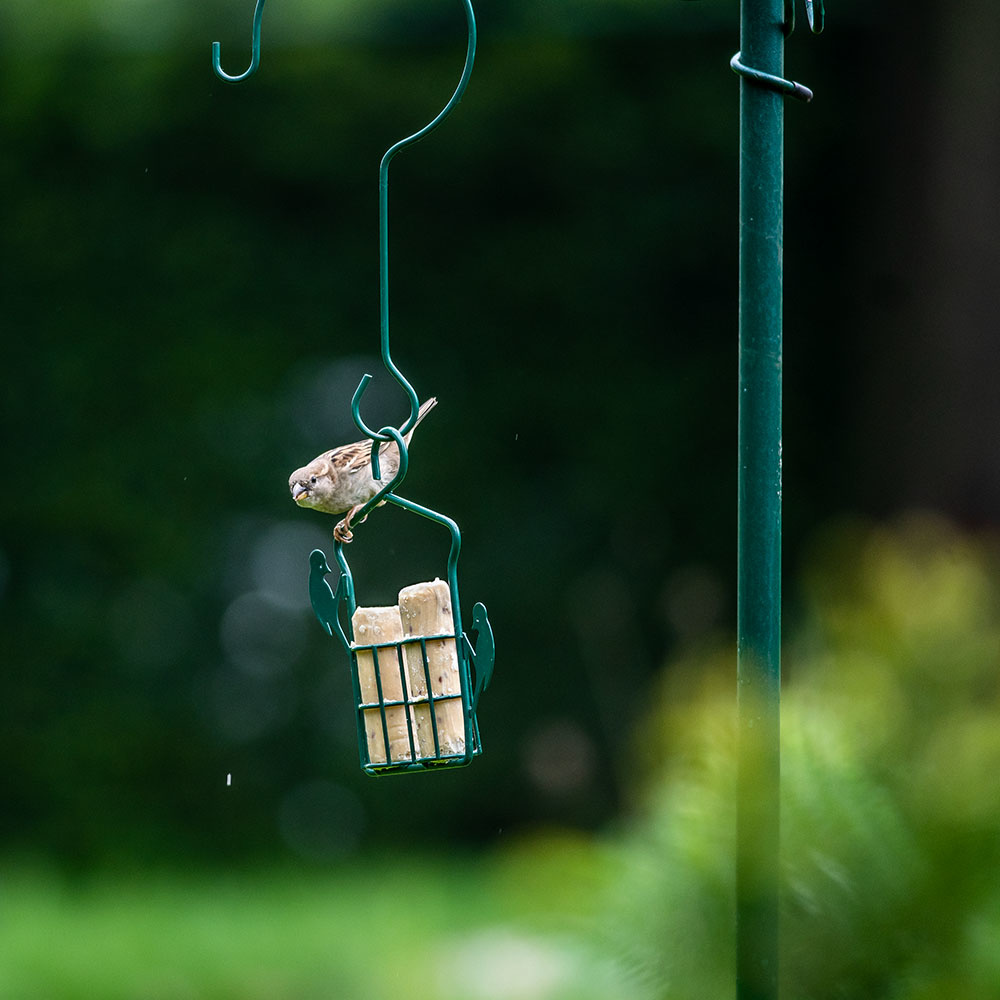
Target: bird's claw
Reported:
point(343, 533)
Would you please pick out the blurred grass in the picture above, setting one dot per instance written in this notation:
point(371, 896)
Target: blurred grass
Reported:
point(417, 926)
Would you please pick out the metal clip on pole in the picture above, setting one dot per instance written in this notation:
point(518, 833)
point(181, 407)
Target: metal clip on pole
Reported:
point(816, 16)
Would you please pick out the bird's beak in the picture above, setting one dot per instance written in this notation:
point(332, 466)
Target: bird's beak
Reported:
point(299, 493)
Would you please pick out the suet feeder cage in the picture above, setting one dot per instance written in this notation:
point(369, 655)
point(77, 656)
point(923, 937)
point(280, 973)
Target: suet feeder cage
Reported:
point(416, 676)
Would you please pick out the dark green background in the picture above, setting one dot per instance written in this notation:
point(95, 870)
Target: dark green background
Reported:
point(190, 294)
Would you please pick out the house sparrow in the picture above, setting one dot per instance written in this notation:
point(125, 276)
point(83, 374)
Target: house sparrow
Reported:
point(341, 479)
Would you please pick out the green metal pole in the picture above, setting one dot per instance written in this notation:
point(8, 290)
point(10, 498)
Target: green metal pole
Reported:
point(759, 544)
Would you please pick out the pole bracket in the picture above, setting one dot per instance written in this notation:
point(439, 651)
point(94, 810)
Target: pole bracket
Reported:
point(787, 88)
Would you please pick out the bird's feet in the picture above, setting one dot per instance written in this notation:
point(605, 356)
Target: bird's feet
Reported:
point(343, 533)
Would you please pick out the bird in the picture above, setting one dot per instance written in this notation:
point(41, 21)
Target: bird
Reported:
point(340, 480)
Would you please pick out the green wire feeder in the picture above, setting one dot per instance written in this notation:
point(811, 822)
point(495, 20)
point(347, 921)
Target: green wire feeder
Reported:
point(414, 693)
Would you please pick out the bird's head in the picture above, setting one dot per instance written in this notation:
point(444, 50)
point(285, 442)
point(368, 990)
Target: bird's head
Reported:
point(312, 486)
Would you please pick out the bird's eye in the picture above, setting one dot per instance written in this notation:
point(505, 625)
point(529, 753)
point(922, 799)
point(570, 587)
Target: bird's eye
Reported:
point(313, 480)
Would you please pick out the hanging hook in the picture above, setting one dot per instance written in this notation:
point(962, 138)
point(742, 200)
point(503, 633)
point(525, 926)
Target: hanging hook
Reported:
point(815, 15)
point(255, 51)
point(383, 187)
point(383, 211)
point(360, 391)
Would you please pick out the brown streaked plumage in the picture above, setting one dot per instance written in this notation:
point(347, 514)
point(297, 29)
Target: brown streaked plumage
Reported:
point(340, 480)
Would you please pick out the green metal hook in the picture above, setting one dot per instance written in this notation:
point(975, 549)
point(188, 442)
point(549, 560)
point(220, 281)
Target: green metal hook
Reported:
point(463, 82)
point(815, 15)
point(383, 187)
point(377, 436)
point(387, 433)
point(255, 51)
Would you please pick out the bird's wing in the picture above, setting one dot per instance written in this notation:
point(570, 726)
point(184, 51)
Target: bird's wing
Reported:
point(354, 457)
point(350, 457)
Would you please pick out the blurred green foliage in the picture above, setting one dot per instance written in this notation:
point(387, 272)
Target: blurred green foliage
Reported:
point(890, 803)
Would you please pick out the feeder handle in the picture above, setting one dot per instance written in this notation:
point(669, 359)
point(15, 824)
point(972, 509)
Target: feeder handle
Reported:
point(383, 232)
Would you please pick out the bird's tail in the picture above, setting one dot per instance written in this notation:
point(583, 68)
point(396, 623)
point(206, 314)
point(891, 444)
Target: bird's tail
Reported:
point(425, 407)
